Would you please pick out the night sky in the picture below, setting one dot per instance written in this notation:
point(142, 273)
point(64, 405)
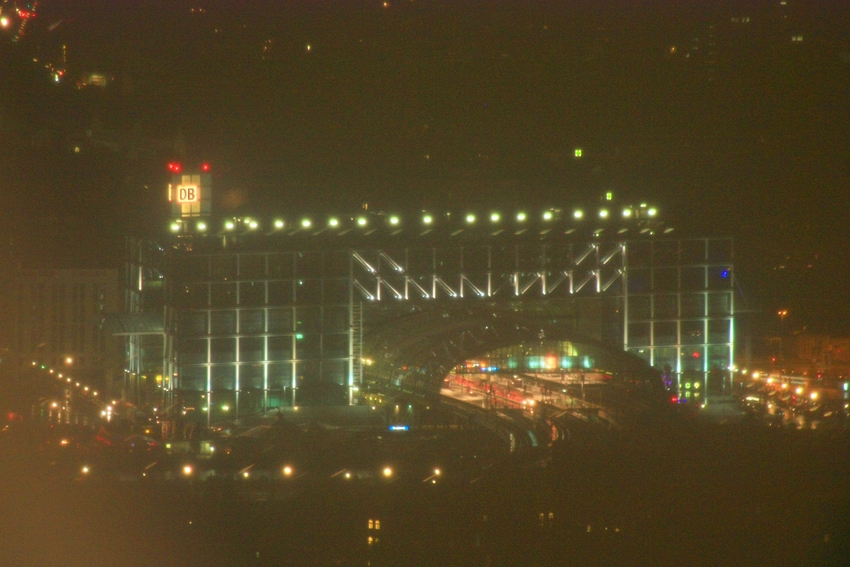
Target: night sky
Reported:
point(711, 110)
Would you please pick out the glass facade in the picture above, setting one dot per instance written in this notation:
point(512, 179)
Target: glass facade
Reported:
point(679, 304)
point(247, 331)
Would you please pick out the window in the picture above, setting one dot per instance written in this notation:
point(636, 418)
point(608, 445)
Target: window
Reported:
point(280, 347)
point(309, 264)
point(223, 350)
point(250, 376)
point(192, 323)
point(281, 293)
point(223, 267)
point(192, 378)
point(280, 376)
point(223, 377)
point(223, 295)
point(281, 265)
point(280, 321)
point(222, 322)
point(193, 351)
point(308, 292)
point(252, 293)
point(252, 266)
point(251, 349)
point(252, 321)
point(335, 319)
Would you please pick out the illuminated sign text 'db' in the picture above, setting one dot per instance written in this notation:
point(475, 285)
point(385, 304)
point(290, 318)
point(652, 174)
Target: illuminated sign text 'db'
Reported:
point(188, 194)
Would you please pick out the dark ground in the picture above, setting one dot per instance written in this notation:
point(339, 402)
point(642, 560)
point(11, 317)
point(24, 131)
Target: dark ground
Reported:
point(684, 494)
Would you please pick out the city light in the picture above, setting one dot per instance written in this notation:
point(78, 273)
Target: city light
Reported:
point(470, 219)
point(547, 216)
point(229, 225)
point(394, 220)
point(427, 219)
point(278, 223)
point(603, 213)
point(521, 217)
point(306, 223)
point(253, 224)
point(202, 226)
point(494, 217)
point(175, 226)
point(361, 221)
point(388, 472)
point(287, 471)
point(333, 222)
point(652, 212)
point(627, 213)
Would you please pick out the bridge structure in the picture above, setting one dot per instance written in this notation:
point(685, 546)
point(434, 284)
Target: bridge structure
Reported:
point(235, 316)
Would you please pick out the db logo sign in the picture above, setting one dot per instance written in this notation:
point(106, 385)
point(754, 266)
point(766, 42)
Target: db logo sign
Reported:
point(188, 194)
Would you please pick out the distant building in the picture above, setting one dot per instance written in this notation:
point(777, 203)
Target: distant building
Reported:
point(57, 317)
point(233, 316)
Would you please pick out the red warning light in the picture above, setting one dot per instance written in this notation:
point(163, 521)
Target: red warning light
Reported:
point(205, 167)
point(174, 167)
point(695, 355)
point(674, 399)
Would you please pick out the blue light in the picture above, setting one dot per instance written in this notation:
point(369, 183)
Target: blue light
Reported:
point(724, 274)
point(399, 428)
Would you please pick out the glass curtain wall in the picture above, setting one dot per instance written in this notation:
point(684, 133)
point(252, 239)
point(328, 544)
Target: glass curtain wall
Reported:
point(249, 331)
point(680, 311)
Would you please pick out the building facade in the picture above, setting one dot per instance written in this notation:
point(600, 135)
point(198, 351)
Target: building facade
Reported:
point(57, 321)
point(252, 320)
